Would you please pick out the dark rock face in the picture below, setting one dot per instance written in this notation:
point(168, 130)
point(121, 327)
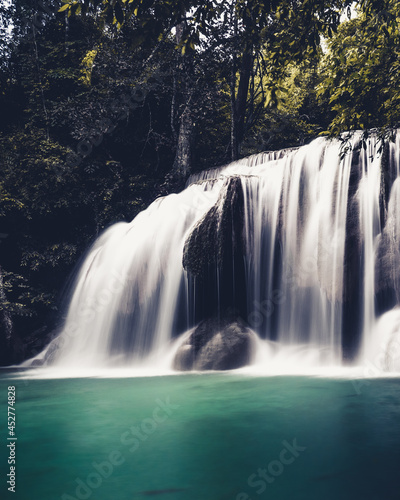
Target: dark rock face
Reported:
point(214, 255)
point(219, 234)
point(353, 255)
point(387, 266)
point(216, 345)
point(387, 270)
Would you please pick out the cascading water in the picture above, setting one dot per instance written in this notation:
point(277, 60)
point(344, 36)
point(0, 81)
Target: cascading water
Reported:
point(132, 284)
point(303, 205)
point(313, 259)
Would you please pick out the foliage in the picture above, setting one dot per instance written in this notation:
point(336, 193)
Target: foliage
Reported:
point(360, 72)
point(297, 118)
point(290, 30)
point(93, 107)
point(52, 209)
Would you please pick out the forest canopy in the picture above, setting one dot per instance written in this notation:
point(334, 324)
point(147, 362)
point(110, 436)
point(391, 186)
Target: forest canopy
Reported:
point(106, 105)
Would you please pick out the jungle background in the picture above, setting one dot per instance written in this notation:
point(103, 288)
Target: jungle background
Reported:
point(107, 105)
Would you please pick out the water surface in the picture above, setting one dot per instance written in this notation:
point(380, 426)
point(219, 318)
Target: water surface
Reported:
point(205, 437)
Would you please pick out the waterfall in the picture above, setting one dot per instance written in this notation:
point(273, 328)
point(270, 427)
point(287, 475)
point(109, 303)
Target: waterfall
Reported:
point(302, 244)
point(302, 203)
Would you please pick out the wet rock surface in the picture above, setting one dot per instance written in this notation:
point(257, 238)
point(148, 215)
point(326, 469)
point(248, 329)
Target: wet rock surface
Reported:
point(216, 345)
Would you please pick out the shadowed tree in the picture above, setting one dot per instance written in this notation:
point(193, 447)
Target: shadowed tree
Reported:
point(287, 29)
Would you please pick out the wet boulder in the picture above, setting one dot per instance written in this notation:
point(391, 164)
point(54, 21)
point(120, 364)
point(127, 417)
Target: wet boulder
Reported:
point(214, 255)
point(218, 236)
point(216, 345)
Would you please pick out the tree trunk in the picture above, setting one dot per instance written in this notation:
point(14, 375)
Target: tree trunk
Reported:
point(183, 158)
point(239, 101)
point(234, 146)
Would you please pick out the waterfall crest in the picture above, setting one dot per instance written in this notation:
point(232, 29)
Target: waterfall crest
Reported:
point(303, 245)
